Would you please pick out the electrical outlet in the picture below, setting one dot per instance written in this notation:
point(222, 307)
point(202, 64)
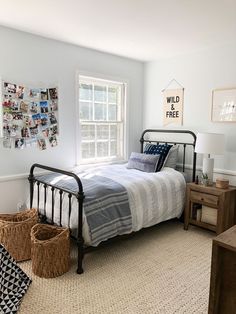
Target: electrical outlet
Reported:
point(19, 206)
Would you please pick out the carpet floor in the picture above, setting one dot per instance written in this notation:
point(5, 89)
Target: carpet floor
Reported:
point(163, 269)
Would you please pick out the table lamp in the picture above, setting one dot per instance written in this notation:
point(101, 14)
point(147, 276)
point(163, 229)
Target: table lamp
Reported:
point(209, 143)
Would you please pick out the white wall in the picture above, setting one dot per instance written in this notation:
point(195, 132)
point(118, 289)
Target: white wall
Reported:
point(199, 73)
point(29, 59)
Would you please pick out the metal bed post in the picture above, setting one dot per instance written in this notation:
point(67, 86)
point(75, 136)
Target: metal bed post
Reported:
point(31, 181)
point(80, 239)
point(194, 159)
point(79, 196)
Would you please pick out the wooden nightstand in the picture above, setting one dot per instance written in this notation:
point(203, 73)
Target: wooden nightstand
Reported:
point(220, 203)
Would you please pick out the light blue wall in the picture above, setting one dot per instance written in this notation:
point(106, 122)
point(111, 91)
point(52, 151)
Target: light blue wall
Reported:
point(29, 59)
point(199, 74)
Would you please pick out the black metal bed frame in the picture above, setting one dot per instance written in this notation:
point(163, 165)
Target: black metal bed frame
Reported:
point(184, 144)
point(80, 193)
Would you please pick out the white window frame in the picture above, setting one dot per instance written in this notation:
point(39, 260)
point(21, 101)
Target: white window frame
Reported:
point(1, 109)
point(101, 78)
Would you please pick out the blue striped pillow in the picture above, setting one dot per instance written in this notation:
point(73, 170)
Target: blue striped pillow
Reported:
point(143, 162)
point(160, 149)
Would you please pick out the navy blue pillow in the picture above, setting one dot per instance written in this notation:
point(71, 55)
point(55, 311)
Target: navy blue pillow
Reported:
point(160, 149)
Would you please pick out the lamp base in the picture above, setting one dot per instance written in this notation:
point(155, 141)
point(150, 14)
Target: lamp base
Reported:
point(207, 168)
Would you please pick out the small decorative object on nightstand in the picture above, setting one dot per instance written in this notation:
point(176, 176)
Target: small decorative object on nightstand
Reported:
point(210, 207)
point(222, 183)
point(205, 180)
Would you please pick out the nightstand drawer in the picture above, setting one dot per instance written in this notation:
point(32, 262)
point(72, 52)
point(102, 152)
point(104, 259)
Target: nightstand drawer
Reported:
point(204, 198)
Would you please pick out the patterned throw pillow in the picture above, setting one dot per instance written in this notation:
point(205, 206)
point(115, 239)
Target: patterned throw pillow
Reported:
point(160, 149)
point(143, 162)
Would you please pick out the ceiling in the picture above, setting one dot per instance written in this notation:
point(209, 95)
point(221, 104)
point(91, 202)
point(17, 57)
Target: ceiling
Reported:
point(140, 29)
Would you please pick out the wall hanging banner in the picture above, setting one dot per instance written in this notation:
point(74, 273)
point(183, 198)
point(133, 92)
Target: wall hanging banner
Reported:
point(173, 106)
point(30, 116)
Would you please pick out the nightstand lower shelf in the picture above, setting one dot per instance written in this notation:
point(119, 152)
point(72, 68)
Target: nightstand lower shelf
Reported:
point(202, 224)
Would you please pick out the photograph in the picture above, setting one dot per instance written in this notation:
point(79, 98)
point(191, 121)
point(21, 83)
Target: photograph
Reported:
point(15, 131)
point(7, 103)
point(45, 132)
point(20, 92)
point(6, 110)
point(17, 116)
point(6, 130)
point(19, 143)
point(35, 93)
point(10, 88)
point(7, 117)
point(43, 106)
point(53, 140)
point(25, 132)
point(31, 142)
point(28, 121)
point(53, 105)
point(53, 130)
point(42, 144)
point(34, 107)
point(34, 131)
point(44, 94)
point(52, 93)
point(14, 105)
point(7, 142)
point(52, 118)
point(44, 118)
point(24, 106)
point(36, 118)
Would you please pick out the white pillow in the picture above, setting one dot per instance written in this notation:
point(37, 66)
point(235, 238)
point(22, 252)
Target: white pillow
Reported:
point(143, 162)
point(172, 158)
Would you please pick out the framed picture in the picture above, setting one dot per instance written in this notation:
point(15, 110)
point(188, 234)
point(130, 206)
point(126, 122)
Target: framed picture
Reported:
point(223, 105)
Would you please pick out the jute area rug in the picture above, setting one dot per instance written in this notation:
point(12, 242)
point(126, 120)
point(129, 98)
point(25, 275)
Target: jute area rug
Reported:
point(163, 269)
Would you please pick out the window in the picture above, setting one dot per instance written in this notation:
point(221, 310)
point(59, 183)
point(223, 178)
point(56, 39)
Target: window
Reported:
point(101, 107)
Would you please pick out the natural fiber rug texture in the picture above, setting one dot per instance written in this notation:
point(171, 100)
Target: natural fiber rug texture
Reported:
point(163, 269)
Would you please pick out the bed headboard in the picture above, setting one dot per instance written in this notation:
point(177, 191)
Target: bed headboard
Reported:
point(184, 138)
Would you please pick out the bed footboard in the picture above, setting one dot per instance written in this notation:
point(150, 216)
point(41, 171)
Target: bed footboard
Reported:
point(34, 181)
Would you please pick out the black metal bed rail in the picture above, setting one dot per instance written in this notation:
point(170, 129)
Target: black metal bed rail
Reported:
point(194, 159)
point(79, 196)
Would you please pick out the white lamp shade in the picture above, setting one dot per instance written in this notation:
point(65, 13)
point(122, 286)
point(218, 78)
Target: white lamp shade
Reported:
point(210, 143)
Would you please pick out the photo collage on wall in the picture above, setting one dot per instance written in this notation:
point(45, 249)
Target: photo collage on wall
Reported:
point(30, 116)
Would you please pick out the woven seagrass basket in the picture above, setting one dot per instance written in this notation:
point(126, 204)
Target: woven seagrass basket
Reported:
point(15, 233)
point(50, 250)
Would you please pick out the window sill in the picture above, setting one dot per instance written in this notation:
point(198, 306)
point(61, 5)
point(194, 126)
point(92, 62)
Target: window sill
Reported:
point(84, 166)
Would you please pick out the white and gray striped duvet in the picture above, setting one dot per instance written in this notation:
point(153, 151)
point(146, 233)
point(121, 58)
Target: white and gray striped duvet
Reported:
point(153, 197)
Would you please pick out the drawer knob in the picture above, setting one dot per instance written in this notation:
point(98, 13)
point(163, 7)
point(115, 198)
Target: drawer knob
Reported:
point(202, 199)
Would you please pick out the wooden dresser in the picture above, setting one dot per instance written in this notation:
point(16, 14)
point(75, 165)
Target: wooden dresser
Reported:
point(222, 299)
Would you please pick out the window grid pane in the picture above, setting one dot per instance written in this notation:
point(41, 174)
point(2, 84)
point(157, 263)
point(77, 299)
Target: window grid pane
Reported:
point(86, 91)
